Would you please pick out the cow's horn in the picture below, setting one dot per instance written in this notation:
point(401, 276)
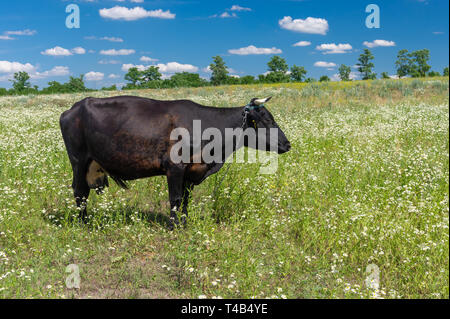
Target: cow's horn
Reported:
point(261, 101)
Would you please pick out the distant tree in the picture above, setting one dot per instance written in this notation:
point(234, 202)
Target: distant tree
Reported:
point(324, 78)
point(248, 79)
point(76, 84)
point(445, 72)
point(219, 71)
point(365, 66)
point(277, 70)
point(344, 72)
point(403, 63)
point(310, 80)
point(233, 80)
point(150, 74)
point(433, 73)
point(297, 73)
point(385, 75)
point(54, 87)
point(109, 88)
point(3, 91)
point(21, 82)
point(133, 76)
point(186, 79)
point(262, 78)
point(419, 63)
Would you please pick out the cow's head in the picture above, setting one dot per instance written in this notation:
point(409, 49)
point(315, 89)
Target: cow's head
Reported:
point(259, 117)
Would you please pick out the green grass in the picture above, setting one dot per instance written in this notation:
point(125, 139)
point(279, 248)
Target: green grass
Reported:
point(366, 182)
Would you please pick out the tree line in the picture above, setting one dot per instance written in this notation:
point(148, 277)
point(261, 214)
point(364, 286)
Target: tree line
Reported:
point(408, 64)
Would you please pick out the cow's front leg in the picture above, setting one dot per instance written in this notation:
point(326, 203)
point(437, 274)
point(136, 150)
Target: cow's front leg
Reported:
point(175, 182)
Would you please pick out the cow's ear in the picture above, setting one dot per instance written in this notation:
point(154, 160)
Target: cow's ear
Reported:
point(260, 101)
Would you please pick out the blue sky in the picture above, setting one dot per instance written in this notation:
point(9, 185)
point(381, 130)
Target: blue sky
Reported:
point(185, 35)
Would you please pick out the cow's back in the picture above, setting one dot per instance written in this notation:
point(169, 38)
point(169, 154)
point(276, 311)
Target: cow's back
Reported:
point(128, 136)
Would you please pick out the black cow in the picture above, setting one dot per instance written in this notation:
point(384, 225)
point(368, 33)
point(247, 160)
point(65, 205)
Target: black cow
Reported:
point(128, 138)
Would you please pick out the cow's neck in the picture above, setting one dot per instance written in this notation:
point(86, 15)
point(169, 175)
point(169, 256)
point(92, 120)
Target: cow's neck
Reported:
point(233, 119)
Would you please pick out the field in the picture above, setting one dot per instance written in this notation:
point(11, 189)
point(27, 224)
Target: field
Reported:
point(363, 194)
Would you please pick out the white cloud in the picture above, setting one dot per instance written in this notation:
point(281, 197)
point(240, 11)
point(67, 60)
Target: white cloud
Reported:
point(301, 44)
point(5, 37)
point(309, 25)
point(227, 15)
point(56, 71)
point(21, 32)
point(239, 8)
point(251, 49)
point(108, 62)
point(173, 67)
point(147, 59)
point(332, 48)
point(57, 51)
point(78, 50)
point(113, 76)
point(322, 64)
point(111, 39)
point(12, 67)
point(94, 76)
point(379, 43)
point(9, 68)
point(123, 13)
point(207, 69)
point(117, 52)
point(126, 67)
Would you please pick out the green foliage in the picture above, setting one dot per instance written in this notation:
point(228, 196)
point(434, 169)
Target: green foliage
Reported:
point(419, 63)
point(186, 79)
point(433, 74)
point(150, 74)
point(310, 80)
point(385, 75)
point(110, 88)
point(134, 76)
point(445, 72)
point(233, 80)
point(403, 63)
point(76, 84)
point(365, 66)
point(324, 78)
point(278, 68)
point(21, 82)
point(219, 71)
point(298, 73)
point(344, 72)
point(248, 79)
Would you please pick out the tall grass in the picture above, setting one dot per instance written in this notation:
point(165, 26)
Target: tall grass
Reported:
point(366, 183)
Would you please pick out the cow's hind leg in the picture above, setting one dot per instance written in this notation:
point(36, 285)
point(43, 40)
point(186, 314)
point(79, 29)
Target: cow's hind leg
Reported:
point(81, 190)
point(175, 178)
point(187, 188)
